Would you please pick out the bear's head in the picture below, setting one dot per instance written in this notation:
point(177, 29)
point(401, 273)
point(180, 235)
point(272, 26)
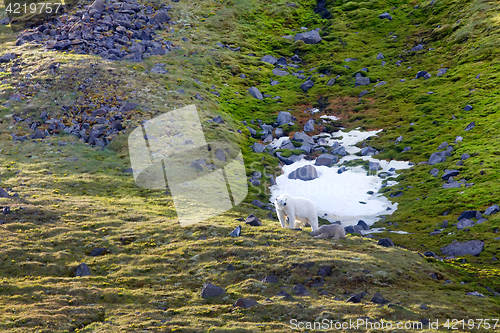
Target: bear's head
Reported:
point(280, 201)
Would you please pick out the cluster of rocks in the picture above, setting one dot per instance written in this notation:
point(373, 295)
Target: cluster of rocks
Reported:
point(4, 193)
point(97, 129)
point(210, 291)
point(116, 30)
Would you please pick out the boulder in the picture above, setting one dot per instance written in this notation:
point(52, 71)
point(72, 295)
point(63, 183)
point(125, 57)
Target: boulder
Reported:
point(82, 270)
point(458, 249)
point(309, 37)
point(449, 173)
point(326, 159)
point(492, 210)
point(307, 85)
point(284, 118)
point(465, 223)
point(387, 242)
point(255, 93)
point(258, 147)
point(305, 173)
point(245, 303)
point(269, 59)
point(309, 126)
point(470, 214)
point(210, 290)
point(253, 221)
point(362, 81)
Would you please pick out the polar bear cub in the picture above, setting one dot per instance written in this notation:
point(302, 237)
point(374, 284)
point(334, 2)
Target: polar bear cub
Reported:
point(297, 209)
point(329, 231)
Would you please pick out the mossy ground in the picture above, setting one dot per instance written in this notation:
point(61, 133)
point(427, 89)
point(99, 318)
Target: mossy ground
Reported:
point(152, 277)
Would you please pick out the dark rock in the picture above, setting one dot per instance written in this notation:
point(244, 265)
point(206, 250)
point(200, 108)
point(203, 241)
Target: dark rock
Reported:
point(326, 159)
point(438, 157)
point(270, 279)
point(230, 267)
point(373, 166)
point(159, 17)
point(309, 37)
point(236, 232)
point(470, 126)
point(253, 221)
point(302, 137)
point(492, 210)
point(380, 56)
point(7, 57)
point(307, 85)
point(341, 170)
point(458, 249)
point(434, 172)
point(258, 203)
point(464, 156)
point(429, 254)
point(3, 193)
point(307, 172)
point(465, 223)
point(258, 147)
point(330, 82)
point(309, 126)
point(283, 294)
point(82, 270)
point(469, 214)
point(269, 59)
point(353, 229)
point(300, 290)
point(255, 93)
point(368, 151)
point(468, 107)
point(128, 106)
point(356, 298)
point(387, 242)
point(363, 225)
point(245, 303)
point(417, 48)
point(385, 16)
point(218, 120)
point(97, 251)
point(420, 74)
point(364, 92)
point(279, 72)
point(378, 299)
point(441, 71)
point(210, 290)
point(406, 149)
point(362, 81)
point(284, 118)
point(325, 271)
point(449, 173)
point(289, 160)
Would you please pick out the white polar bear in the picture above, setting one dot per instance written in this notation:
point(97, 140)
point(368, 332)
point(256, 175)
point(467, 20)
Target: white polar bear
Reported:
point(297, 210)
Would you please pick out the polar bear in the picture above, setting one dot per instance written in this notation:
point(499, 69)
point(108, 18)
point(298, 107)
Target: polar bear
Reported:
point(296, 209)
point(327, 231)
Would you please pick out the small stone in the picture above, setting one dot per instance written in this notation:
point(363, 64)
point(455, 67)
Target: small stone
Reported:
point(236, 232)
point(270, 279)
point(97, 251)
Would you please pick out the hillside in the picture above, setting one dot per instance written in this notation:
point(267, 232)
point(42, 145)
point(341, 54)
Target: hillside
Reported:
point(72, 90)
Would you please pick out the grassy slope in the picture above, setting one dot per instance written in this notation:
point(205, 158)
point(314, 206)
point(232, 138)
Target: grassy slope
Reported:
point(155, 271)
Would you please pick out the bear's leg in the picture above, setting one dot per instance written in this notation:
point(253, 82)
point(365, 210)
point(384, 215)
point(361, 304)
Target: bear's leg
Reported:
point(314, 222)
point(322, 236)
point(281, 218)
point(291, 220)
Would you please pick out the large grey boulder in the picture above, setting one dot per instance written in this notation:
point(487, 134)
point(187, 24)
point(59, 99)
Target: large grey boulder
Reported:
point(302, 137)
point(269, 59)
point(309, 126)
point(309, 37)
point(258, 147)
point(307, 172)
point(362, 81)
point(284, 118)
point(255, 93)
point(326, 159)
point(492, 210)
point(458, 249)
point(307, 85)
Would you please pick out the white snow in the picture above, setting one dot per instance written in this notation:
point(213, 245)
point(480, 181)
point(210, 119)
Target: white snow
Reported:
point(337, 196)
